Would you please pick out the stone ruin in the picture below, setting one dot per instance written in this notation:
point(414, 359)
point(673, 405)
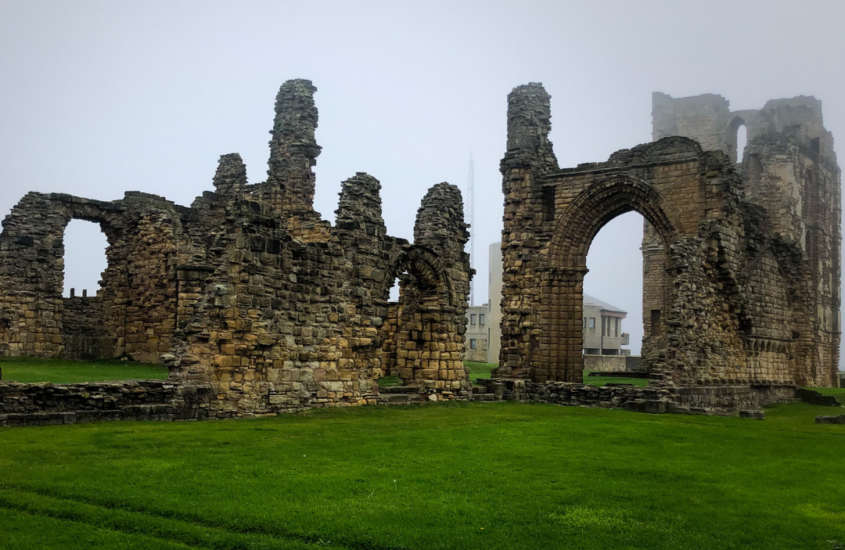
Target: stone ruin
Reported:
point(250, 291)
point(258, 306)
point(741, 262)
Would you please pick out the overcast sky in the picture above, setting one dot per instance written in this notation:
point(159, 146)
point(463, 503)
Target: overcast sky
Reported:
point(98, 98)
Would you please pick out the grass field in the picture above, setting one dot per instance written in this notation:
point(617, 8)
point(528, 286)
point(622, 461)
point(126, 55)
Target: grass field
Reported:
point(456, 476)
point(61, 371)
point(479, 370)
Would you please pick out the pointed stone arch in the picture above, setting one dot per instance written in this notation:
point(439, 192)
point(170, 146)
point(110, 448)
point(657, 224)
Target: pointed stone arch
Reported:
point(560, 336)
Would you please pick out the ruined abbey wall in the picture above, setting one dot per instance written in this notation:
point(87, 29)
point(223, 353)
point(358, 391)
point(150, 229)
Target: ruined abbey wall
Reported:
point(789, 169)
point(733, 290)
point(249, 291)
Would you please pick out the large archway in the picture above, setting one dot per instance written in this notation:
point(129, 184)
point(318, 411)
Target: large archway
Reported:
point(560, 320)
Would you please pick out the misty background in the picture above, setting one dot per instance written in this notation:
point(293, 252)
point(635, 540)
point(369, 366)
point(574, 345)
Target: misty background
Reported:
point(101, 97)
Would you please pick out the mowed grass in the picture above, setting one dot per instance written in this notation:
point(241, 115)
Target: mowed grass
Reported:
point(61, 371)
point(479, 370)
point(440, 476)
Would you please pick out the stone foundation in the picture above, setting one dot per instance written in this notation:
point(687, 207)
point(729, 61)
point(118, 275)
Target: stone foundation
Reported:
point(611, 363)
point(46, 404)
point(721, 399)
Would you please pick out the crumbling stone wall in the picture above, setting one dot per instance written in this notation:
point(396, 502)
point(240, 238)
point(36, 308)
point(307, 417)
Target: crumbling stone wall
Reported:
point(46, 404)
point(479, 354)
point(726, 298)
point(789, 169)
point(249, 291)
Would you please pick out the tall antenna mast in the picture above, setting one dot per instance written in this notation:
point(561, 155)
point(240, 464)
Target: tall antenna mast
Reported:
point(470, 206)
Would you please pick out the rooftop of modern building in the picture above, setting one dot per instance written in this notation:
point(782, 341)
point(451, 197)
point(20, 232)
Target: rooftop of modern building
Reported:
point(604, 306)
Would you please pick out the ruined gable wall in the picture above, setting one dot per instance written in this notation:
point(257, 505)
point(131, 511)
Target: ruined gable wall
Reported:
point(250, 292)
point(277, 324)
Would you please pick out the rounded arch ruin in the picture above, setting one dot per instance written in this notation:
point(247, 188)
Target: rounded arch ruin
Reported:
point(422, 336)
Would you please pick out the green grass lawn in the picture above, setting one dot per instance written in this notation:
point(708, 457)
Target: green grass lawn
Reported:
point(479, 370)
point(62, 371)
point(838, 392)
point(440, 476)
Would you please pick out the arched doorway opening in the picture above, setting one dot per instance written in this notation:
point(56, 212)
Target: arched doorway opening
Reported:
point(87, 315)
point(613, 298)
point(389, 372)
point(737, 140)
point(561, 334)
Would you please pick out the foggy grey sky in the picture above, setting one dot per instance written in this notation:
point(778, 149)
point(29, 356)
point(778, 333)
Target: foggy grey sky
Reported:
point(101, 97)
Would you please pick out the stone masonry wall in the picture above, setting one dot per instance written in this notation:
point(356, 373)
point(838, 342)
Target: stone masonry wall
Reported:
point(249, 291)
point(46, 404)
point(731, 289)
point(85, 335)
point(789, 169)
point(479, 354)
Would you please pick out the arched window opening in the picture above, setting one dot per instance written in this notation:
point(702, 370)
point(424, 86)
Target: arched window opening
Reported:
point(737, 140)
point(741, 142)
point(390, 372)
point(84, 259)
point(612, 320)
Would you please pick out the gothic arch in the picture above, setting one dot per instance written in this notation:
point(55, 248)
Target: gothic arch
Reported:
point(596, 206)
point(559, 340)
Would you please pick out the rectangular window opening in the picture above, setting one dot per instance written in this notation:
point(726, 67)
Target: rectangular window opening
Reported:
point(655, 322)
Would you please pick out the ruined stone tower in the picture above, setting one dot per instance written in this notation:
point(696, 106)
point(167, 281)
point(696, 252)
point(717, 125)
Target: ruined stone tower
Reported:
point(789, 168)
point(249, 291)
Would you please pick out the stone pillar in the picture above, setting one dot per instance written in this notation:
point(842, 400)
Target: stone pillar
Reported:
point(293, 148)
point(526, 225)
point(230, 178)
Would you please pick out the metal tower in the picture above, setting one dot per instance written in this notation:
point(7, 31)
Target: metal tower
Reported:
point(470, 216)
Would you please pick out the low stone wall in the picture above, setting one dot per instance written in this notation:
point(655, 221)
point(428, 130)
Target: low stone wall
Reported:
point(46, 403)
point(612, 363)
point(730, 399)
point(723, 399)
point(479, 354)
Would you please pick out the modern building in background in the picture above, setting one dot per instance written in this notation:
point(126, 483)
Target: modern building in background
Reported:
point(478, 334)
point(494, 302)
point(603, 334)
point(603, 328)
